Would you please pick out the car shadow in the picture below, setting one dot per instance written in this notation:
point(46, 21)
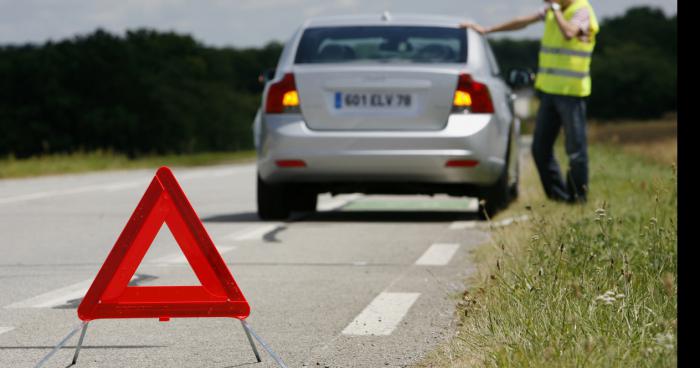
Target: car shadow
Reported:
point(234, 217)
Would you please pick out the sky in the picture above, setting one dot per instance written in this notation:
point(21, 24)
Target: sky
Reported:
point(250, 23)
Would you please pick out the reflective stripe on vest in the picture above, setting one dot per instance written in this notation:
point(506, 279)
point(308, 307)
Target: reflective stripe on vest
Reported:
point(561, 51)
point(564, 65)
point(562, 72)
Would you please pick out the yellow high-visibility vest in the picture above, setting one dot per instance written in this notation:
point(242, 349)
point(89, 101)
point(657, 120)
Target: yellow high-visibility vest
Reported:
point(564, 65)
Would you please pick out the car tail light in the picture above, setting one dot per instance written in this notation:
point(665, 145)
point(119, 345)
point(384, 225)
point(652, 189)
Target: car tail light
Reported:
point(462, 163)
point(290, 163)
point(472, 96)
point(282, 97)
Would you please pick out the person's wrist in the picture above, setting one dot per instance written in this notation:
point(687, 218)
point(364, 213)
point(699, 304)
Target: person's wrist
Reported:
point(555, 6)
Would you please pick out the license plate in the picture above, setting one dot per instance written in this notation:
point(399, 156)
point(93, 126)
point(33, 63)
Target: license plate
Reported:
point(373, 101)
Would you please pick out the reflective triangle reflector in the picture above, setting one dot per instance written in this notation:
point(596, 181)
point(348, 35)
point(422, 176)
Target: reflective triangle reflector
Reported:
point(110, 296)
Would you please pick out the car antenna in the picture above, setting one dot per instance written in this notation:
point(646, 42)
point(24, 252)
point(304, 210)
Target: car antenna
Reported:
point(386, 16)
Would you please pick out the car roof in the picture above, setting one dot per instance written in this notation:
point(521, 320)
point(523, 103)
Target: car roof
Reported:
point(385, 19)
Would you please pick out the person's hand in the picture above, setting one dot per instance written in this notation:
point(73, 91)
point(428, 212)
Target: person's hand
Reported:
point(473, 26)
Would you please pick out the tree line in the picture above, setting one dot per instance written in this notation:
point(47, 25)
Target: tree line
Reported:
point(150, 92)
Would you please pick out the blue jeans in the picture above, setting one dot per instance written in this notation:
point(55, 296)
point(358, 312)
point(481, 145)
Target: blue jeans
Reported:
point(555, 112)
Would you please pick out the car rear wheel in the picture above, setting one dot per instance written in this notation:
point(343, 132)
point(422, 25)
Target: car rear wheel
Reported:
point(272, 204)
point(495, 197)
point(499, 195)
point(303, 200)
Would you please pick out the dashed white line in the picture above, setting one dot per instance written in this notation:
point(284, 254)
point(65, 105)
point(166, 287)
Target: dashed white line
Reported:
point(382, 315)
point(438, 255)
point(4, 329)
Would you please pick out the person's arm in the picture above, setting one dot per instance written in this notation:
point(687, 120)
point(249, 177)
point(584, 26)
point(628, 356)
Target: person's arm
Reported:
point(568, 29)
point(512, 25)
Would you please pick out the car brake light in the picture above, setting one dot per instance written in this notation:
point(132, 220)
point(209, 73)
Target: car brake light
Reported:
point(472, 96)
point(462, 163)
point(283, 96)
point(290, 163)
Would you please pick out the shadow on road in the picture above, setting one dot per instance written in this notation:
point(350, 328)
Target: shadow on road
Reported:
point(234, 217)
point(356, 216)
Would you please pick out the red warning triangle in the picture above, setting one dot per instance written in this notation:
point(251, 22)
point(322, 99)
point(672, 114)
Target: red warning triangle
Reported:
point(111, 297)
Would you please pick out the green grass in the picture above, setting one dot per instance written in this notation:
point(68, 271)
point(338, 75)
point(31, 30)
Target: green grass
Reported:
point(577, 286)
point(105, 160)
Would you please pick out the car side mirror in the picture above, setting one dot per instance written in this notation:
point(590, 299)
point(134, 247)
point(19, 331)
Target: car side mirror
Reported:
point(266, 75)
point(520, 78)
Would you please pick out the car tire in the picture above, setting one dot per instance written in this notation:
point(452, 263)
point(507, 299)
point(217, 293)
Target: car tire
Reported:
point(272, 202)
point(494, 197)
point(499, 195)
point(514, 191)
point(302, 200)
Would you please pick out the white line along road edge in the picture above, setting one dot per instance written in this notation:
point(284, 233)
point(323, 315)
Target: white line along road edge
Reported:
point(5, 329)
point(438, 254)
point(382, 315)
point(56, 297)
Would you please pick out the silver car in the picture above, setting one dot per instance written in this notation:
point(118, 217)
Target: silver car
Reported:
point(385, 104)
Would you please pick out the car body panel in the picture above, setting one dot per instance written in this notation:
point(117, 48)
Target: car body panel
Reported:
point(362, 147)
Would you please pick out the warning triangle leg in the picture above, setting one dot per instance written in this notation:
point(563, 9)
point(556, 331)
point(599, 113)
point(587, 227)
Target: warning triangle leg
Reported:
point(249, 331)
point(250, 340)
point(80, 343)
point(63, 342)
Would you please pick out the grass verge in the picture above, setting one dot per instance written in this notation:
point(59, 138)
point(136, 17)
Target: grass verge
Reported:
point(578, 286)
point(105, 160)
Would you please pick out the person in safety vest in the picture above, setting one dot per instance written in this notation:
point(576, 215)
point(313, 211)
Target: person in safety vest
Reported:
point(563, 82)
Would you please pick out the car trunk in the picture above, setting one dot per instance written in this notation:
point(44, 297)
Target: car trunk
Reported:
point(345, 97)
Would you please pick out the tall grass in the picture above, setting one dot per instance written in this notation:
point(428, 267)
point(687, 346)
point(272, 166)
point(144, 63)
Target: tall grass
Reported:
point(578, 286)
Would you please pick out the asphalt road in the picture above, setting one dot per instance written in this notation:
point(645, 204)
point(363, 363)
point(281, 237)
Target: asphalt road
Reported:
point(368, 281)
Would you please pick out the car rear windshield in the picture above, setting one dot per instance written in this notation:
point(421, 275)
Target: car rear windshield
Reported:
point(381, 44)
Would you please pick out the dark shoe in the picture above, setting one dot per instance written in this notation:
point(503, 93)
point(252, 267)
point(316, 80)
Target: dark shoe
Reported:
point(574, 195)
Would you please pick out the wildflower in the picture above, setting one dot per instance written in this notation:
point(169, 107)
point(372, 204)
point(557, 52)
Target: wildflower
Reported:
point(665, 340)
point(600, 214)
point(609, 297)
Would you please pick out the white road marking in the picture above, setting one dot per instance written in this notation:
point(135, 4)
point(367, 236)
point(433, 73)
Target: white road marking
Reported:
point(438, 255)
point(5, 329)
point(126, 185)
point(50, 193)
point(382, 315)
point(56, 297)
point(458, 225)
point(337, 203)
point(254, 233)
point(473, 205)
point(510, 220)
point(180, 258)
point(112, 187)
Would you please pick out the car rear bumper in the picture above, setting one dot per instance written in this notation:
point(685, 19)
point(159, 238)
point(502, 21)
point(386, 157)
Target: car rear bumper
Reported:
point(383, 156)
